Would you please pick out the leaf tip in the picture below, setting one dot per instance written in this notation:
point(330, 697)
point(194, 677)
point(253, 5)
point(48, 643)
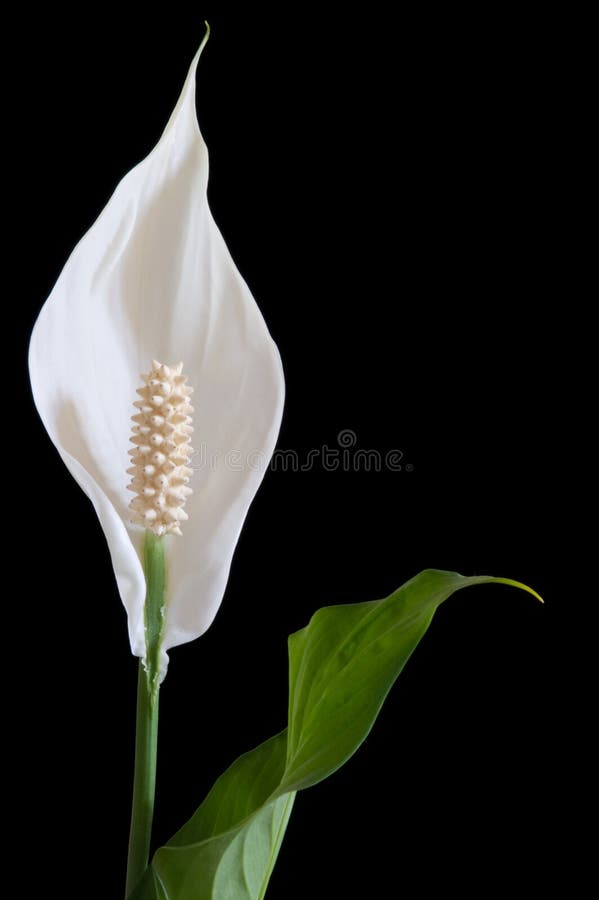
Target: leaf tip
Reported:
point(521, 586)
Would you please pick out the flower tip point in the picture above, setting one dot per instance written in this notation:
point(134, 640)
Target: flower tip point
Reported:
point(204, 39)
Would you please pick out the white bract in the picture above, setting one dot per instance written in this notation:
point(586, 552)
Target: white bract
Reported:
point(153, 279)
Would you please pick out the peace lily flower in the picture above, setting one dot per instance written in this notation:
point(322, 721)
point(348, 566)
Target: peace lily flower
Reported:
point(153, 280)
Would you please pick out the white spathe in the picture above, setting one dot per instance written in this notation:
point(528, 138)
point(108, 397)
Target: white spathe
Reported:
point(153, 279)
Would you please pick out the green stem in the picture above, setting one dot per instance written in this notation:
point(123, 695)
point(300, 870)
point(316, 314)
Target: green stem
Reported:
point(146, 724)
point(144, 782)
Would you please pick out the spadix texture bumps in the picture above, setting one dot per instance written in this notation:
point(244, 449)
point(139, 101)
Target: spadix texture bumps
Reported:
point(153, 279)
point(162, 450)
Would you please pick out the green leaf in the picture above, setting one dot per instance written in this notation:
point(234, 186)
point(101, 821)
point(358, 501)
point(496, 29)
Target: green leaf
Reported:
point(343, 664)
point(228, 848)
point(341, 667)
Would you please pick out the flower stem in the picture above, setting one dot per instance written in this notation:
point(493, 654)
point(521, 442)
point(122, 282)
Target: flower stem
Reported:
point(146, 727)
point(144, 782)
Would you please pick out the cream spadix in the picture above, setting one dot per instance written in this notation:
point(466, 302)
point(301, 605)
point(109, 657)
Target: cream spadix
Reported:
point(162, 450)
point(153, 279)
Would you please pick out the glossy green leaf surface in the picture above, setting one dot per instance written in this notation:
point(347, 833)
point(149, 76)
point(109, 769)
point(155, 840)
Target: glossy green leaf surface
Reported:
point(229, 846)
point(341, 667)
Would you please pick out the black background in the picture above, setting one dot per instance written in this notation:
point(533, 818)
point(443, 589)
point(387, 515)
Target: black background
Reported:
point(393, 194)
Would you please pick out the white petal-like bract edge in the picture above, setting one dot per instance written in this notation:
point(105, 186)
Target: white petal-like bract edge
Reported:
point(153, 279)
